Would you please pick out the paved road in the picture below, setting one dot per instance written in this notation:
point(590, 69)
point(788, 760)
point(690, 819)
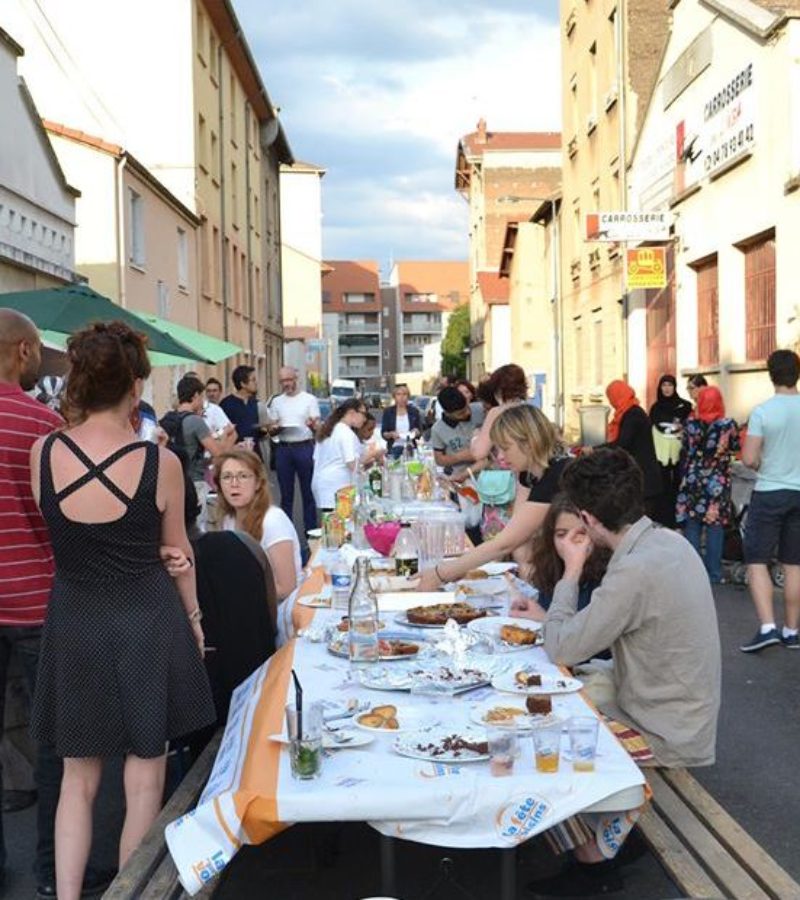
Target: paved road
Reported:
point(755, 772)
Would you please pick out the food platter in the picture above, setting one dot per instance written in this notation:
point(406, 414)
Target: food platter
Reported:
point(455, 745)
point(404, 718)
point(501, 714)
point(550, 684)
point(491, 628)
point(402, 617)
point(392, 646)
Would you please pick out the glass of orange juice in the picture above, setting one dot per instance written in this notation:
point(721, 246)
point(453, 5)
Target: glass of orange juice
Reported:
point(547, 746)
point(583, 742)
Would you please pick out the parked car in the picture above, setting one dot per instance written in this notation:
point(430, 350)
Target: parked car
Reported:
point(422, 403)
point(326, 407)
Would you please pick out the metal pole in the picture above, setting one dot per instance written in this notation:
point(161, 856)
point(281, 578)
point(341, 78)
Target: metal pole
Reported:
point(623, 166)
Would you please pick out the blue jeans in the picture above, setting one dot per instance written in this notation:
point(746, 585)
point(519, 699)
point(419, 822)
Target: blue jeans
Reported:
point(715, 537)
point(296, 460)
point(24, 641)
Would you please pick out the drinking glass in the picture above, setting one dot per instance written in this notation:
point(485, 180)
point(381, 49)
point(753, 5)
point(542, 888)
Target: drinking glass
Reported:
point(583, 732)
point(305, 750)
point(502, 750)
point(547, 747)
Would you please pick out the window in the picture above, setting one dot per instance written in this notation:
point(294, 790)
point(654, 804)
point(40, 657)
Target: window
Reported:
point(232, 100)
point(214, 158)
point(136, 223)
point(162, 300)
point(359, 298)
point(205, 259)
point(579, 354)
point(593, 83)
point(234, 196)
point(707, 312)
point(200, 34)
point(215, 255)
point(386, 332)
point(256, 221)
point(212, 56)
point(202, 146)
point(183, 259)
point(597, 351)
point(759, 292)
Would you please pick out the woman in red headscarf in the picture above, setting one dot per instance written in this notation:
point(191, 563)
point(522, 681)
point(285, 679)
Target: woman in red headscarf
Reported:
point(630, 429)
point(710, 440)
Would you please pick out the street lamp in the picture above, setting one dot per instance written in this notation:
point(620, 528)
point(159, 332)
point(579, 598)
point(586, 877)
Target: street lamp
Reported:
point(556, 299)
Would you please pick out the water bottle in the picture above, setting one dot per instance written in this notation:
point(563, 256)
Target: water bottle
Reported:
point(406, 552)
point(363, 616)
point(341, 582)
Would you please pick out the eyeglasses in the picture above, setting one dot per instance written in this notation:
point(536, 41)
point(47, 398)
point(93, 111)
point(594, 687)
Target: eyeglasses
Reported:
point(236, 477)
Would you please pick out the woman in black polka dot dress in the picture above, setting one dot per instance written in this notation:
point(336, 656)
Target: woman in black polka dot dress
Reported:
point(121, 669)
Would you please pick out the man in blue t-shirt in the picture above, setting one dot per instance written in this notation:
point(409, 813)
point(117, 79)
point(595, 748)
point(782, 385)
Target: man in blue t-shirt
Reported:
point(241, 407)
point(773, 518)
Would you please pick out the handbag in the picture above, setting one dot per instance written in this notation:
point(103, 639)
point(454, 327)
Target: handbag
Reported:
point(497, 487)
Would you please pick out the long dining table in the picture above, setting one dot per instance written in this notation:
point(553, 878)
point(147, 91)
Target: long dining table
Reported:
point(251, 794)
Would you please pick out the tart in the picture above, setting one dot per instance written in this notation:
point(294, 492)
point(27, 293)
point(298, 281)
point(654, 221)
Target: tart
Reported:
point(439, 613)
point(517, 636)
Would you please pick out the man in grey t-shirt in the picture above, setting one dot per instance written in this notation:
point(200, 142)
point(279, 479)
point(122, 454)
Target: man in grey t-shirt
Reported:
point(451, 435)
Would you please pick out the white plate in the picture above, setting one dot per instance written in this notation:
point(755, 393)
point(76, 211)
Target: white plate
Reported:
point(485, 587)
point(525, 722)
point(354, 738)
point(314, 533)
point(414, 745)
point(322, 600)
point(551, 684)
point(491, 628)
point(379, 678)
point(408, 719)
point(402, 619)
point(499, 568)
point(340, 648)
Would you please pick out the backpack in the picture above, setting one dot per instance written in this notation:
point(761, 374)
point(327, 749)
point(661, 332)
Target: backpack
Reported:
point(172, 423)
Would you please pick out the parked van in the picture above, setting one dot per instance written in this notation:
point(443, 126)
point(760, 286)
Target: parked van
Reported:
point(343, 389)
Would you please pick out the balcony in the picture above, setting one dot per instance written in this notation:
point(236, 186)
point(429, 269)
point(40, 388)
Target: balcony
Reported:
point(423, 328)
point(359, 327)
point(358, 371)
point(413, 349)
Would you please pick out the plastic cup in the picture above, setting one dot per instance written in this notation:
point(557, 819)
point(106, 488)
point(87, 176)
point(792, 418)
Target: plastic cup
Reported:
point(547, 747)
point(583, 732)
point(305, 750)
point(502, 750)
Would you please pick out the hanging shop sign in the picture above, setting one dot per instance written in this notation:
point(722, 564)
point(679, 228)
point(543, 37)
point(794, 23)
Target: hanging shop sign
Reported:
point(646, 267)
point(628, 226)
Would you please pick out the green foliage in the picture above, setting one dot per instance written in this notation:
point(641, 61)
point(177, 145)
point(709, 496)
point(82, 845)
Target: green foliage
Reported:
point(455, 341)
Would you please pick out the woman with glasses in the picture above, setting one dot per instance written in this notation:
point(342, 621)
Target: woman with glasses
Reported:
point(247, 506)
point(338, 452)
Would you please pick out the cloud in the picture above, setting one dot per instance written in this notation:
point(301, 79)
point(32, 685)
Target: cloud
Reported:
point(381, 94)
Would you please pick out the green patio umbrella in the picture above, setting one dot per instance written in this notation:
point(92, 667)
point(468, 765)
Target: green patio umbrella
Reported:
point(212, 349)
point(67, 309)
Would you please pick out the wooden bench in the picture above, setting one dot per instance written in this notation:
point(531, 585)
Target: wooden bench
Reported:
point(150, 873)
point(703, 848)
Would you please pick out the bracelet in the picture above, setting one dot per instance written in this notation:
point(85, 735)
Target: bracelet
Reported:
point(436, 573)
point(195, 615)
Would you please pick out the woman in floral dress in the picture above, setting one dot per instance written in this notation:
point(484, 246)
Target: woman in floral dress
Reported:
point(710, 440)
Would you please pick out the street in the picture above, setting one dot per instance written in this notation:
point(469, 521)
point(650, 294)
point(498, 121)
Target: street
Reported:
point(758, 723)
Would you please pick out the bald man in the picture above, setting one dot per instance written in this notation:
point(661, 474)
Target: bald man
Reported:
point(294, 415)
point(26, 559)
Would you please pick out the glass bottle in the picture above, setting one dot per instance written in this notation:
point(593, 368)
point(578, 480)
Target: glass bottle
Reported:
point(363, 616)
point(406, 552)
point(376, 480)
point(341, 583)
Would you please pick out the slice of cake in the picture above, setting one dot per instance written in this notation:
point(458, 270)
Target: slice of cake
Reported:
point(539, 706)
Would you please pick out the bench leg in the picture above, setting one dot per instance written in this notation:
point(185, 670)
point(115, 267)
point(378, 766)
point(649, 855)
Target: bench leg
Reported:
point(508, 874)
point(388, 871)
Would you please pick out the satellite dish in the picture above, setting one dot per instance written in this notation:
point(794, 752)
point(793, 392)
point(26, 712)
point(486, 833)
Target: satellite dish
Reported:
point(269, 132)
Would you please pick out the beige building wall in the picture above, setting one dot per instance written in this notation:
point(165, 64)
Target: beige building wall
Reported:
point(608, 71)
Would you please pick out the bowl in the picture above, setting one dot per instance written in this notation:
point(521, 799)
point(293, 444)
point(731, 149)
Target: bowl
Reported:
point(382, 536)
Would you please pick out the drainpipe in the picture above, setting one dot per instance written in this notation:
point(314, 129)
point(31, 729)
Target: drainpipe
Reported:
point(222, 219)
point(119, 212)
point(248, 222)
point(622, 111)
point(557, 315)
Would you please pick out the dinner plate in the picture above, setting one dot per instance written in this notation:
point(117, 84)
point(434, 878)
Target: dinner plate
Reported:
point(498, 568)
point(427, 744)
point(551, 684)
point(381, 678)
point(408, 719)
point(339, 647)
point(483, 587)
point(402, 619)
point(490, 627)
point(320, 600)
point(523, 722)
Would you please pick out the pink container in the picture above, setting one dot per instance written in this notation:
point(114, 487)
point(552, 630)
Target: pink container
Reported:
point(382, 537)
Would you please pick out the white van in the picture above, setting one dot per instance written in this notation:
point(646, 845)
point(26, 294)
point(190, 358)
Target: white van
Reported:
point(343, 389)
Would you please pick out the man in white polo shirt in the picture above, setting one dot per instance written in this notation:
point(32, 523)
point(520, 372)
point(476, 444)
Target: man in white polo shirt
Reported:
point(294, 415)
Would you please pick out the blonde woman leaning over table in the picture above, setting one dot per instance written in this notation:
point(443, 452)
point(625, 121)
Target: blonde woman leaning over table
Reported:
point(527, 442)
point(246, 505)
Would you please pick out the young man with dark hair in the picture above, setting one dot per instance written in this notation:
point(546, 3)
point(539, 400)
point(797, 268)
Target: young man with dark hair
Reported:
point(241, 407)
point(655, 610)
point(772, 447)
point(212, 411)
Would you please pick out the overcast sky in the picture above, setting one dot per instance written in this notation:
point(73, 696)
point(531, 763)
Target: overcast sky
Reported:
point(379, 95)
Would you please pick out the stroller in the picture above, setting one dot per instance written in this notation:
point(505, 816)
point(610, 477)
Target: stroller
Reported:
point(733, 548)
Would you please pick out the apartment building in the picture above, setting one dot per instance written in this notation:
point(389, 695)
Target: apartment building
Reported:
point(610, 56)
point(353, 321)
point(422, 294)
point(37, 204)
point(176, 85)
point(502, 176)
point(141, 253)
point(301, 269)
point(719, 151)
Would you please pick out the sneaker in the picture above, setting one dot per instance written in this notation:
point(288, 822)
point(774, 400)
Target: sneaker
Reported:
point(760, 641)
point(579, 880)
point(792, 642)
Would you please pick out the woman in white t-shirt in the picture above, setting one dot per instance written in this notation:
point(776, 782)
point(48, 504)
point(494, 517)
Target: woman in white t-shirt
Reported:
point(247, 506)
point(337, 452)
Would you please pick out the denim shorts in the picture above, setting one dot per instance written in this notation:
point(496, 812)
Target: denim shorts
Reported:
point(772, 529)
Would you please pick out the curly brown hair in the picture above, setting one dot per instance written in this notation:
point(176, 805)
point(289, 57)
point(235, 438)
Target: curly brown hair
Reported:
point(548, 565)
point(508, 383)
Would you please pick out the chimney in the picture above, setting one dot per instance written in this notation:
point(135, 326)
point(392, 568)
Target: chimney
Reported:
point(481, 139)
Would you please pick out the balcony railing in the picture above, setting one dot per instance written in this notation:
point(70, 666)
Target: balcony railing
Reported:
point(423, 328)
point(359, 327)
point(413, 349)
point(358, 371)
point(361, 350)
